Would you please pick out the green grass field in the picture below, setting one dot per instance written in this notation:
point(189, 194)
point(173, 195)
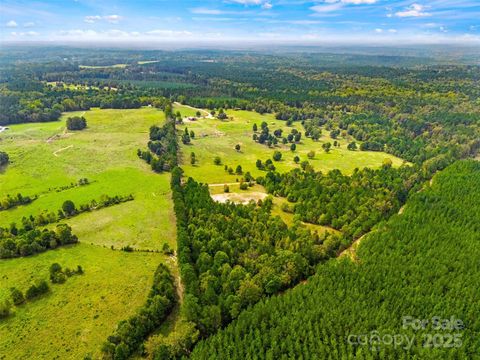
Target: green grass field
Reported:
point(218, 138)
point(118, 66)
point(75, 317)
point(105, 153)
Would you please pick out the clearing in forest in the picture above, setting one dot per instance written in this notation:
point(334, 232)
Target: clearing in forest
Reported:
point(214, 137)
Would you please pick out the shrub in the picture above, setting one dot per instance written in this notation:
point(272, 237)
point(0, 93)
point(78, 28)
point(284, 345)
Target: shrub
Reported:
point(37, 289)
point(76, 123)
point(277, 156)
point(5, 307)
point(17, 296)
point(4, 159)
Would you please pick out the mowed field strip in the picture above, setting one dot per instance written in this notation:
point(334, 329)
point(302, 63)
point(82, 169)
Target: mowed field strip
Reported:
point(75, 318)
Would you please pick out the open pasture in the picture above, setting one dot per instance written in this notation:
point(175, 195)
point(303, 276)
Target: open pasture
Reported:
point(215, 137)
point(75, 317)
point(46, 157)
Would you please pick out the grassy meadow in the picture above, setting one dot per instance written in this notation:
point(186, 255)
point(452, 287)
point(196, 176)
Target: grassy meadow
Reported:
point(45, 157)
point(215, 137)
point(76, 317)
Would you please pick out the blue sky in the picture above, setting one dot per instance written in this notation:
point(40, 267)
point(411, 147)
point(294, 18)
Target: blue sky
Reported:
point(251, 21)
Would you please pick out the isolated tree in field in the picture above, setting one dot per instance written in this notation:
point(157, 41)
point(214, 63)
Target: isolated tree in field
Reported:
point(192, 134)
point(311, 154)
point(238, 170)
point(76, 123)
point(17, 296)
point(166, 249)
point(5, 307)
point(4, 159)
point(255, 137)
point(186, 136)
point(217, 160)
point(221, 114)
point(192, 158)
point(198, 114)
point(327, 146)
point(226, 188)
point(296, 159)
point(293, 147)
point(263, 125)
point(68, 208)
point(237, 147)
point(259, 164)
point(352, 146)
point(297, 137)
point(315, 134)
point(334, 133)
point(277, 156)
point(255, 127)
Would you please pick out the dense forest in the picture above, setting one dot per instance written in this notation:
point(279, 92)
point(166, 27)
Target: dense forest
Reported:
point(352, 204)
point(417, 113)
point(353, 309)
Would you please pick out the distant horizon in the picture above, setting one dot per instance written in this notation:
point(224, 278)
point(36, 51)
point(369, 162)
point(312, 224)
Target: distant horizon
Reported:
point(269, 22)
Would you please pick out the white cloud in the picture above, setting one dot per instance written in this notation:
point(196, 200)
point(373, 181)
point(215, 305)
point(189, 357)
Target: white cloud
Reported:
point(379, 31)
point(354, 2)
point(248, 2)
point(414, 10)
point(205, 11)
point(92, 19)
point(113, 19)
point(29, 24)
point(267, 5)
point(11, 24)
point(167, 33)
point(393, 31)
point(334, 5)
point(326, 8)
point(27, 33)
point(358, 2)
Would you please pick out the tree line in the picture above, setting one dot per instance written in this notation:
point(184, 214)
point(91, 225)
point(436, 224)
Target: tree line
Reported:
point(131, 333)
point(16, 242)
point(163, 146)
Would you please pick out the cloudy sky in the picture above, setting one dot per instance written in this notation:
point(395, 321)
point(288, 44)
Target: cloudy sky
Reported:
point(254, 21)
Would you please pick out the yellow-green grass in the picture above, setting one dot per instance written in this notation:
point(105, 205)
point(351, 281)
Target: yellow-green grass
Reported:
point(105, 153)
point(75, 317)
point(289, 218)
point(214, 137)
point(147, 62)
point(119, 66)
point(187, 111)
